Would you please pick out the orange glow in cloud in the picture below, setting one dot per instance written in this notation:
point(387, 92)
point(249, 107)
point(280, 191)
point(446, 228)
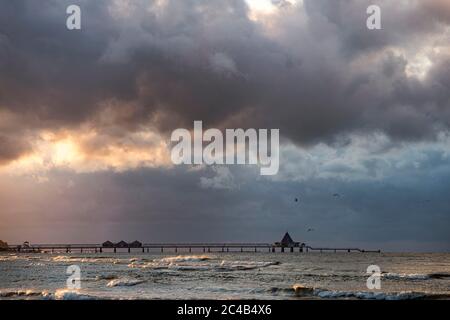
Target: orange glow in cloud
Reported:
point(73, 150)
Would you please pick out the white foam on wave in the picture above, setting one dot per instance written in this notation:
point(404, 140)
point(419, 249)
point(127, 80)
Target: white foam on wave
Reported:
point(36, 264)
point(199, 263)
point(187, 262)
point(22, 293)
point(244, 265)
point(71, 259)
point(403, 295)
point(60, 294)
point(124, 282)
point(303, 290)
point(67, 294)
point(193, 258)
point(405, 276)
point(8, 257)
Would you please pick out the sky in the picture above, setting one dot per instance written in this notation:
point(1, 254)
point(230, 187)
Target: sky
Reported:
point(364, 117)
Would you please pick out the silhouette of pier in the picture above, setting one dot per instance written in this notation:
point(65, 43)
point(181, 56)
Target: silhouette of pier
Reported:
point(286, 244)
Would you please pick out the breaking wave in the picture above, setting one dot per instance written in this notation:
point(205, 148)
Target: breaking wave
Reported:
point(60, 294)
point(96, 259)
point(124, 282)
point(414, 276)
point(23, 293)
point(300, 290)
point(199, 263)
point(177, 259)
point(8, 257)
point(244, 265)
point(66, 294)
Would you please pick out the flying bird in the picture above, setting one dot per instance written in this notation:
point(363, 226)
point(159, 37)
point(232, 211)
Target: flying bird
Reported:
point(336, 195)
point(310, 229)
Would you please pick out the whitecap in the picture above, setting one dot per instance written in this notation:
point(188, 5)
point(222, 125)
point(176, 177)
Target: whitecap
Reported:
point(67, 294)
point(192, 258)
point(124, 282)
point(405, 276)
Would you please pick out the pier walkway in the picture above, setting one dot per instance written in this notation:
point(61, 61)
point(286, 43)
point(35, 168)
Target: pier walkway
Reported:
point(179, 247)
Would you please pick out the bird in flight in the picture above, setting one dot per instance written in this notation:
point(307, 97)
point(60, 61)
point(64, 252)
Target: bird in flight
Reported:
point(310, 229)
point(336, 195)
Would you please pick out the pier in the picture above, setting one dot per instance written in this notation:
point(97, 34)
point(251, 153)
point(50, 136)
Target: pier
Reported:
point(285, 245)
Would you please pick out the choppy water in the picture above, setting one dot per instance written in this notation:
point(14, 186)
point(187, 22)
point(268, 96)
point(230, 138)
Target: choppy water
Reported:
point(225, 276)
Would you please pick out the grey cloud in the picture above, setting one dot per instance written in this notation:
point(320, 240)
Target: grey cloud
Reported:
point(302, 81)
point(12, 148)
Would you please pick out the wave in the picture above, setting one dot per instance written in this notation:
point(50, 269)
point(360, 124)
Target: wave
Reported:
point(66, 294)
point(106, 277)
point(177, 259)
point(36, 264)
point(300, 290)
point(414, 276)
point(403, 295)
point(8, 257)
point(23, 293)
point(124, 282)
point(60, 294)
point(244, 265)
point(176, 262)
point(96, 259)
point(199, 263)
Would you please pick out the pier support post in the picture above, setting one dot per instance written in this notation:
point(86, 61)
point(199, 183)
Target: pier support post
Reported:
point(292, 249)
point(129, 250)
point(176, 249)
point(301, 249)
point(143, 250)
point(242, 250)
point(203, 249)
point(255, 250)
point(273, 249)
point(190, 249)
point(115, 250)
point(209, 249)
point(101, 250)
point(81, 250)
point(162, 249)
point(282, 249)
point(228, 249)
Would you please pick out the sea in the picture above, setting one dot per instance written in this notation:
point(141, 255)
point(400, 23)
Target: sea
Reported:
point(232, 275)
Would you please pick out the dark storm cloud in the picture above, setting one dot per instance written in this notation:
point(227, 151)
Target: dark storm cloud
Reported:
point(206, 60)
point(11, 148)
